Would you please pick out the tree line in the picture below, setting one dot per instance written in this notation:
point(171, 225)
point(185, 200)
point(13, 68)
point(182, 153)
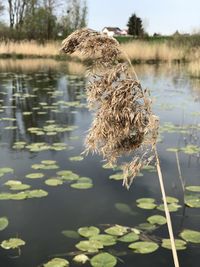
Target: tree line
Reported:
point(41, 19)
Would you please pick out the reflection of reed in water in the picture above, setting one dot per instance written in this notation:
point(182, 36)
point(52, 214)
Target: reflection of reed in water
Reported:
point(27, 65)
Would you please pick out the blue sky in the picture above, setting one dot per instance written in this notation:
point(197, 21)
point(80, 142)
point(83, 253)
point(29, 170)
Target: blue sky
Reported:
point(161, 16)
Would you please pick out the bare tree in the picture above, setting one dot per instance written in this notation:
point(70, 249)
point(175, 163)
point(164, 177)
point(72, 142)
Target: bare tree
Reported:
point(17, 10)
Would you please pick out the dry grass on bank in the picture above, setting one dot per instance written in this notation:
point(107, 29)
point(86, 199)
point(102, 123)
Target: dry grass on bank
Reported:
point(26, 49)
point(144, 51)
point(141, 51)
point(194, 69)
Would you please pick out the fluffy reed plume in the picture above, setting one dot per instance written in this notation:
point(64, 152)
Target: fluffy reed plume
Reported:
point(124, 123)
point(90, 43)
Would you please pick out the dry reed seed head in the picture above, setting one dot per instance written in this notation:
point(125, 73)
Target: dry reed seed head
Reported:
point(92, 44)
point(124, 123)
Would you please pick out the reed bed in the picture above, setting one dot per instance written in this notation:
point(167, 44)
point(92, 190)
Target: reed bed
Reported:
point(194, 69)
point(144, 51)
point(29, 49)
point(137, 51)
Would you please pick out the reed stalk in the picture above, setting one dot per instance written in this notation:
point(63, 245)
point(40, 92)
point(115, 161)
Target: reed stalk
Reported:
point(167, 214)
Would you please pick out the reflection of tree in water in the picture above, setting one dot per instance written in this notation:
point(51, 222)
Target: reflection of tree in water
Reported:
point(33, 93)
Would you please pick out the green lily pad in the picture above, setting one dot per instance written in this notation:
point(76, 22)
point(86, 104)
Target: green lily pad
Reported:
point(71, 234)
point(82, 185)
point(146, 206)
point(68, 175)
point(144, 247)
point(117, 176)
point(76, 158)
point(37, 193)
point(192, 201)
point(35, 175)
point(81, 258)
point(3, 223)
point(190, 236)
point(5, 170)
point(157, 219)
point(104, 239)
point(53, 182)
point(124, 208)
point(180, 244)
point(130, 237)
point(193, 188)
point(19, 196)
point(19, 187)
point(84, 180)
point(103, 260)
point(12, 243)
point(190, 149)
point(147, 226)
point(172, 207)
point(88, 231)
point(116, 230)
point(171, 200)
point(13, 182)
point(89, 245)
point(145, 200)
point(57, 262)
point(48, 162)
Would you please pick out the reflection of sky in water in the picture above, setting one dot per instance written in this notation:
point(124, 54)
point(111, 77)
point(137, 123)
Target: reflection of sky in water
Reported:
point(40, 221)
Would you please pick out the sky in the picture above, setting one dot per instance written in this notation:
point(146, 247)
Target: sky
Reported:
point(160, 16)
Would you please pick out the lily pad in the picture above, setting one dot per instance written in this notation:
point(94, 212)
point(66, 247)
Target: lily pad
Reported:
point(130, 237)
point(88, 231)
point(82, 185)
point(193, 188)
point(53, 182)
point(89, 245)
point(68, 175)
point(5, 170)
point(103, 260)
point(191, 236)
point(116, 230)
point(76, 158)
point(104, 239)
point(117, 176)
point(37, 193)
point(19, 187)
point(171, 200)
point(192, 201)
point(157, 219)
point(57, 262)
point(48, 162)
point(145, 200)
point(144, 247)
point(147, 226)
point(35, 175)
point(146, 206)
point(172, 207)
point(3, 223)
point(180, 244)
point(12, 243)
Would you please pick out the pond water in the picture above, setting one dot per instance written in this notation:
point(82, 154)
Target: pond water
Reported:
point(43, 105)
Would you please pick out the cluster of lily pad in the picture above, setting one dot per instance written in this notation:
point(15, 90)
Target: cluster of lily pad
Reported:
point(94, 246)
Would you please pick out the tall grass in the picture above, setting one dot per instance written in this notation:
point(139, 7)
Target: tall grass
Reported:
point(194, 69)
point(26, 49)
point(145, 51)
